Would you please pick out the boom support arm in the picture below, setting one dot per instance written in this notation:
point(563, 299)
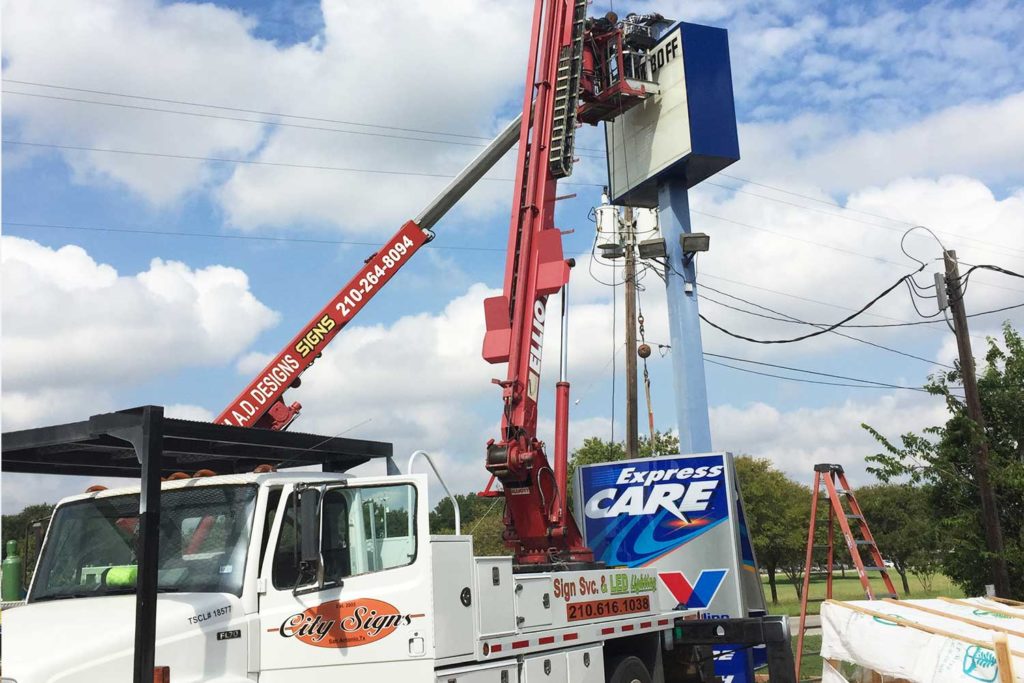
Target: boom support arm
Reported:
point(537, 525)
point(261, 403)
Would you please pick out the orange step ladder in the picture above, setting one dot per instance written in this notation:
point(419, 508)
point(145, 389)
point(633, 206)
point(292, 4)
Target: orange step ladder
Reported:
point(833, 478)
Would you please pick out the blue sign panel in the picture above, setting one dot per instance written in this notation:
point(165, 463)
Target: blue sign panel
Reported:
point(637, 512)
point(681, 516)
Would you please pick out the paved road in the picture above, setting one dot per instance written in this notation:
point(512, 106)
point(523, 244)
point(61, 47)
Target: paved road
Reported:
point(813, 625)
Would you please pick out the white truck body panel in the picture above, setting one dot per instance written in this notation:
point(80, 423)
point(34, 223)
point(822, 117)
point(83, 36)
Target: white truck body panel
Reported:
point(398, 614)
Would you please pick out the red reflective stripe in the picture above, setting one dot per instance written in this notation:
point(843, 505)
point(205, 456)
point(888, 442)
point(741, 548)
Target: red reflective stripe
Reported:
point(627, 627)
point(546, 640)
point(606, 631)
point(516, 644)
point(494, 648)
point(567, 636)
point(645, 624)
point(662, 622)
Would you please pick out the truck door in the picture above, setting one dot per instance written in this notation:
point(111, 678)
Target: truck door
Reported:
point(368, 604)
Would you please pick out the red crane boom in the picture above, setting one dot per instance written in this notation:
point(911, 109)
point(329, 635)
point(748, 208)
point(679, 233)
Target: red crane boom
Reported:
point(538, 527)
point(571, 59)
point(261, 403)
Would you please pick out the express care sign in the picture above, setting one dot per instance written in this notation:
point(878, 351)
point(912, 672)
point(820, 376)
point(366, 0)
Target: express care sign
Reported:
point(639, 510)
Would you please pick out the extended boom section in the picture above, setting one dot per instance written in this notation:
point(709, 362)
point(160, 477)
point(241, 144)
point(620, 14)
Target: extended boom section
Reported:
point(537, 527)
point(261, 404)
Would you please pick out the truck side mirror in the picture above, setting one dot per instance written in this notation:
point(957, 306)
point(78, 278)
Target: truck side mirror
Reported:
point(309, 525)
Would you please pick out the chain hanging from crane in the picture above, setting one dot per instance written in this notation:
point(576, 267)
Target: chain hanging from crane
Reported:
point(644, 351)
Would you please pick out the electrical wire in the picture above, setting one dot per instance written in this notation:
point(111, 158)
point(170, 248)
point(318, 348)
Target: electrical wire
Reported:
point(257, 162)
point(821, 331)
point(831, 247)
point(874, 383)
point(264, 238)
point(801, 322)
point(836, 332)
point(794, 238)
point(261, 122)
point(321, 119)
point(809, 381)
point(485, 139)
point(283, 115)
point(995, 245)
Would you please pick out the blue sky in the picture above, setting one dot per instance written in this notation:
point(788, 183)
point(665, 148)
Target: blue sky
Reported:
point(855, 123)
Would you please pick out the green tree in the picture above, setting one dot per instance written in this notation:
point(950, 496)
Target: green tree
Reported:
point(596, 450)
point(778, 515)
point(943, 458)
point(901, 523)
point(479, 517)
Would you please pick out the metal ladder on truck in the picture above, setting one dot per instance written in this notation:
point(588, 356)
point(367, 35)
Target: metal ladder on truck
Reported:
point(833, 478)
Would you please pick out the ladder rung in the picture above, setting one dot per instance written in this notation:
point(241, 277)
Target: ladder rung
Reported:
point(816, 599)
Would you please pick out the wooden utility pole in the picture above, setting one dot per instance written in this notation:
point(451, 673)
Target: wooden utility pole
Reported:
point(629, 243)
point(989, 509)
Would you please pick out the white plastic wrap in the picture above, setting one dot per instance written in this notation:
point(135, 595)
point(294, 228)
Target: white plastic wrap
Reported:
point(916, 655)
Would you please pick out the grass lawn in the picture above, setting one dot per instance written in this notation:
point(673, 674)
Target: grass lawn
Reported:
point(811, 667)
point(850, 589)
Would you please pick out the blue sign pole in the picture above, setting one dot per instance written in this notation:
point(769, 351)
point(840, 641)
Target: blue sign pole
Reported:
point(684, 322)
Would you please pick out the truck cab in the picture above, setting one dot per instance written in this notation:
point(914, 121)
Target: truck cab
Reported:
point(236, 598)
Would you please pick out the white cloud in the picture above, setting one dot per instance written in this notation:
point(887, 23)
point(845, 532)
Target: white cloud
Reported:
point(405, 66)
point(75, 330)
point(819, 150)
point(780, 247)
point(200, 51)
point(185, 411)
point(796, 440)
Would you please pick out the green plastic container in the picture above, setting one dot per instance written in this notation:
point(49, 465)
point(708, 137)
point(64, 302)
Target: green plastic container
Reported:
point(13, 566)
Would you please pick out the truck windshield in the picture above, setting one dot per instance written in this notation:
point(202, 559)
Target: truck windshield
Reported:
point(91, 545)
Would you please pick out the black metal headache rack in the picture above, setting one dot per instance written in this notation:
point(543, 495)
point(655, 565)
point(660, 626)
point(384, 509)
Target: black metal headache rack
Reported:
point(142, 443)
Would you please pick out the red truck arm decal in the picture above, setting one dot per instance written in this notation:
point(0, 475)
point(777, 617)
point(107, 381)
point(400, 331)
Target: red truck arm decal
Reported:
point(267, 389)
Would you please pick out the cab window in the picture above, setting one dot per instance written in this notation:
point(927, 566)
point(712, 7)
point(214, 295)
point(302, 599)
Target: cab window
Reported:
point(363, 529)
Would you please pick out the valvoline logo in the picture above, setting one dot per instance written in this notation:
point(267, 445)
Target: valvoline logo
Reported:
point(638, 511)
point(695, 595)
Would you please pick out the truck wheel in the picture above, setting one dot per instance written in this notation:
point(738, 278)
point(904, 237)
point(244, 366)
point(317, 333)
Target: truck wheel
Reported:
point(628, 670)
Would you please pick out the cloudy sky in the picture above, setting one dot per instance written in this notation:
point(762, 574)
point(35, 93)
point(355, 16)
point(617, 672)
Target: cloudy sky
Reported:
point(185, 184)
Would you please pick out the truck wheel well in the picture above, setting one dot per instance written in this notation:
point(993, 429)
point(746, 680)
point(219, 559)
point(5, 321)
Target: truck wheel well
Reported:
point(643, 646)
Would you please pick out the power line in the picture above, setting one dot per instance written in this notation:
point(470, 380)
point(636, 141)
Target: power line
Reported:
point(228, 160)
point(320, 119)
point(829, 328)
point(262, 122)
point(851, 210)
point(874, 384)
point(836, 332)
point(824, 245)
point(264, 238)
point(801, 322)
point(810, 381)
point(792, 296)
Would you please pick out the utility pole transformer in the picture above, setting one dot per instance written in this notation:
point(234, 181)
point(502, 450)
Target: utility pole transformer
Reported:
point(632, 429)
point(989, 508)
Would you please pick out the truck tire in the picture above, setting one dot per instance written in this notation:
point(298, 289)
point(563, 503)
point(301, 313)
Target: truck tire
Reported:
point(628, 670)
